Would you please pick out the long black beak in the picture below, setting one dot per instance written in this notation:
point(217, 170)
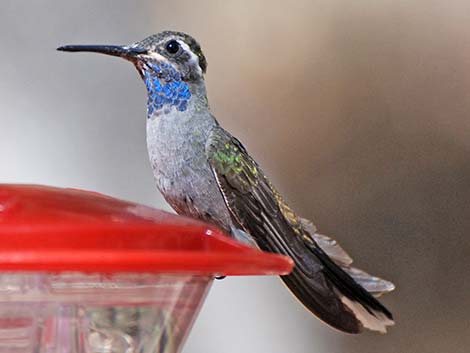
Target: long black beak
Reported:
point(114, 50)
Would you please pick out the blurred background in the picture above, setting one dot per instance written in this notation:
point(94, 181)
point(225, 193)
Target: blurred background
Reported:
point(358, 111)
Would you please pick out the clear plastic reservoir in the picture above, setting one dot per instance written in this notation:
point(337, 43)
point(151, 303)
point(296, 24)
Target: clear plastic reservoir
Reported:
point(96, 313)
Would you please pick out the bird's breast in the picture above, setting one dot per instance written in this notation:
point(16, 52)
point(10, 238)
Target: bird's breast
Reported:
point(176, 147)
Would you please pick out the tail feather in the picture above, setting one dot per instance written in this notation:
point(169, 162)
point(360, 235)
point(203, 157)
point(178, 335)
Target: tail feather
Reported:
point(340, 295)
point(377, 321)
point(323, 302)
point(335, 297)
point(374, 285)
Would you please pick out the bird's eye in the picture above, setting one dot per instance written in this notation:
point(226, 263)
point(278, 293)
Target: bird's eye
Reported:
point(172, 47)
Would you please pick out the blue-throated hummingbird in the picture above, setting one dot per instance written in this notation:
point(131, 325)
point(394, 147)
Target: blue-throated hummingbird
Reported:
point(205, 173)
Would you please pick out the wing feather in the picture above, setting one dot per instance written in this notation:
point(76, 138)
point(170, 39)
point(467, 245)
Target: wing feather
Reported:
point(259, 210)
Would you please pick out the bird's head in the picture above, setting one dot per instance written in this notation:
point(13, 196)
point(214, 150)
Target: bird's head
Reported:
point(169, 62)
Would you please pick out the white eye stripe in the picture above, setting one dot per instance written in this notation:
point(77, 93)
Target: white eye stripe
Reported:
point(157, 56)
point(193, 57)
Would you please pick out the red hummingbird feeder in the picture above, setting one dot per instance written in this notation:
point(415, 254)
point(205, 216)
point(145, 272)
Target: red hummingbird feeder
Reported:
point(84, 272)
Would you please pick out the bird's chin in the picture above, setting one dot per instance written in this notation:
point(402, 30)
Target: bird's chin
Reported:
point(139, 67)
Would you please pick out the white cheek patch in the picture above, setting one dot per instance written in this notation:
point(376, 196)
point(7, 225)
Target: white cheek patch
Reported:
point(158, 57)
point(151, 54)
point(194, 59)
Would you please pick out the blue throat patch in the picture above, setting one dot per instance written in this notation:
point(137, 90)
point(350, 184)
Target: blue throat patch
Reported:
point(165, 89)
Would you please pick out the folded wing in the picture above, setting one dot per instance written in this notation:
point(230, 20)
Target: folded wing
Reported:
point(322, 279)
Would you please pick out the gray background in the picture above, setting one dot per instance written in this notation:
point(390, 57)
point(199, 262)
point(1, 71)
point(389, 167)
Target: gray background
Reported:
point(358, 111)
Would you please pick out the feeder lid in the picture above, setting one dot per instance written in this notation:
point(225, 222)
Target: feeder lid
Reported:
point(54, 229)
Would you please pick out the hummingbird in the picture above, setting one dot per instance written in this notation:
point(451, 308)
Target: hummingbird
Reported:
point(206, 173)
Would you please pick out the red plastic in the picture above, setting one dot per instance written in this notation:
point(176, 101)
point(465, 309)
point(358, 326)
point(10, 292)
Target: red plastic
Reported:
point(53, 229)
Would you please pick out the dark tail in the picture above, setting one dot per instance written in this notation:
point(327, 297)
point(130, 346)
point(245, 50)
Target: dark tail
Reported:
point(332, 294)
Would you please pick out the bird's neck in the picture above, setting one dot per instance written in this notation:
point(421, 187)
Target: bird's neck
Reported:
point(174, 135)
point(168, 93)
